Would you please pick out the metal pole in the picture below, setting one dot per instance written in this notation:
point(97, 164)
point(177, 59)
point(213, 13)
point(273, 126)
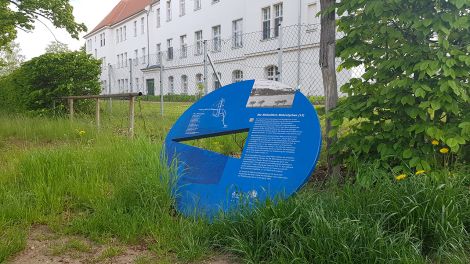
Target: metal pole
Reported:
point(71, 111)
point(98, 119)
point(131, 116)
point(205, 67)
point(280, 52)
point(131, 83)
point(161, 82)
point(299, 42)
point(213, 69)
point(110, 68)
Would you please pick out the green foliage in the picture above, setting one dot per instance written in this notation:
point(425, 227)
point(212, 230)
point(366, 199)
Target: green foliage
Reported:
point(23, 13)
point(171, 98)
point(38, 84)
point(416, 84)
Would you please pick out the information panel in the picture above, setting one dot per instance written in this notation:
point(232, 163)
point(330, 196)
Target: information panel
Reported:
point(280, 152)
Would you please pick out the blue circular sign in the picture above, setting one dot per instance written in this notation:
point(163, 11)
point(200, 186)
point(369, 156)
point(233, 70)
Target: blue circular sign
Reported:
point(279, 155)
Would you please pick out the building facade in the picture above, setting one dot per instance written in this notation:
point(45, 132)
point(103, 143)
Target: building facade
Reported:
point(160, 46)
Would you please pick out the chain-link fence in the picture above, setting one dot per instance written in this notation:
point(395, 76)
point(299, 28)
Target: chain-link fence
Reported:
point(288, 54)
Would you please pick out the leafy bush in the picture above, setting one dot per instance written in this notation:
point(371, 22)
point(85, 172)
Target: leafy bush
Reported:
point(415, 90)
point(171, 98)
point(40, 82)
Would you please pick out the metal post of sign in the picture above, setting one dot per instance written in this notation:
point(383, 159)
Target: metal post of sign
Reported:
point(161, 82)
point(213, 69)
point(205, 67)
point(131, 83)
point(280, 52)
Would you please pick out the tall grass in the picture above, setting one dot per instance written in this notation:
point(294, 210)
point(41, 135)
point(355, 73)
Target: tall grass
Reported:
point(104, 186)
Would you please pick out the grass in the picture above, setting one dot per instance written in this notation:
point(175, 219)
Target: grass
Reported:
point(105, 187)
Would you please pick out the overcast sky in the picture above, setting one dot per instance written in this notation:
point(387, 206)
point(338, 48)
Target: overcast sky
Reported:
point(90, 12)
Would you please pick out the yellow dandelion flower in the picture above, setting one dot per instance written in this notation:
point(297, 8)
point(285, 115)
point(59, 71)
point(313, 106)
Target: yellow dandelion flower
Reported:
point(400, 177)
point(420, 172)
point(81, 133)
point(435, 142)
point(444, 150)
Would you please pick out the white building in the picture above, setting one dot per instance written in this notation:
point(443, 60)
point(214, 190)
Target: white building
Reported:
point(244, 40)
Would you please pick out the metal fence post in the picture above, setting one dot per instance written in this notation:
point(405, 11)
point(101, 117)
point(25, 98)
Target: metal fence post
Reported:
point(205, 68)
point(161, 82)
point(280, 53)
point(131, 83)
point(110, 68)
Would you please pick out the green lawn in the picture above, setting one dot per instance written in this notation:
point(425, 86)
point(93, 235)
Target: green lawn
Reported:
point(105, 187)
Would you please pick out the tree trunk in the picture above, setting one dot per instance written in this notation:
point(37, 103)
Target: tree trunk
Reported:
point(328, 67)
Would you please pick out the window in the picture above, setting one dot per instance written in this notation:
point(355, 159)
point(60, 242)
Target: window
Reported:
point(125, 59)
point(171, 85)
point(278, 14)
point(272, 73)
point(168, 10)
point(199, 78)
point(159, 50)
point(120, 35)
point(312, 19)
point(135, 28)
point(184, 84)
point(127, 85)
point(142, 25)
point(197, 5)
point(119, 84)
point(158, 18)
point(96, 54)
point(182, 7)
point(184, 47)
point(216, 40)
point(144, 56)
point(89, 45)
point(237, 76)
point(125, 33)
point(118, 59)
point(266, 12)
point(136, 57)
point(216, 80)
point(215, 1)
point(137, 84)
point(102, 39)
point(169, 44)
point(117, 35)
point(199, 42)
point(237, 38)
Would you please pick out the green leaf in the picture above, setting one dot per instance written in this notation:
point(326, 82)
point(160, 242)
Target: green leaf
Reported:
point(408, 153)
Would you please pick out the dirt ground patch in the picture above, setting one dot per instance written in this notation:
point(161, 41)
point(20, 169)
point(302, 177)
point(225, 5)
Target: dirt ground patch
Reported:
point(45, 246)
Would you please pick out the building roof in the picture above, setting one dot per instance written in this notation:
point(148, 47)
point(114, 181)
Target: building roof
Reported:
point(123, 10)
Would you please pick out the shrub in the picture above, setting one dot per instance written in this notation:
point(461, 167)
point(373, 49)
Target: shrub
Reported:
point(41, 81)
point(415, 88)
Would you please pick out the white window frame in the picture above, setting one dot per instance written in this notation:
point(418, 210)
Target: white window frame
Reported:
point(197, 5)
point(171, 85)
point(169, 45)
point(237, 33)
point(272, 73)
point(142, 25)
point(182, 8)
point(158, 17)
point(184, 83)
point(168, 10)
point(184, 47)
point(199, 37)
point(266, 22)
point(144, 55)
point(216, 83)
point(135, 28)
point(216, 38)
point(278, 18)
point(237, 76)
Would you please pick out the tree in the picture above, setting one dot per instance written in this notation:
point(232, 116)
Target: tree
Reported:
point(328, 67)
point(57, 47)
point(21, 14)
point(412, 104)
point(39, 83)
point(10, 58)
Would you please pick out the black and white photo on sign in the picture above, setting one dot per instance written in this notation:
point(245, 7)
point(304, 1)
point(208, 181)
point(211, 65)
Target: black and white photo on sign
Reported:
point(271, 94)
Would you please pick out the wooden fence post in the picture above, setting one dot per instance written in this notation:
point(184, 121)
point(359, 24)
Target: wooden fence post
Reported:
point(71, 108)
point(131, 117)
point(98, 117)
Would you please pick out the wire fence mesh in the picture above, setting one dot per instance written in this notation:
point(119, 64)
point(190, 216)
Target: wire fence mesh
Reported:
point(185, 73)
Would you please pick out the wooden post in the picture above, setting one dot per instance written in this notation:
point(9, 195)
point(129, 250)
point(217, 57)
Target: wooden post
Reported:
point(327, 64)
point(98, 118)
point(131, 116)
point(71, 108)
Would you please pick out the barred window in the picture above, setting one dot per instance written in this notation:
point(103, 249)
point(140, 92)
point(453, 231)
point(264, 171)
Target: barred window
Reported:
point(272, 73)
point(237, 76)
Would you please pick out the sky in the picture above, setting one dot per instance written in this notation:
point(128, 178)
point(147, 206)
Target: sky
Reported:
point(90, 12)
